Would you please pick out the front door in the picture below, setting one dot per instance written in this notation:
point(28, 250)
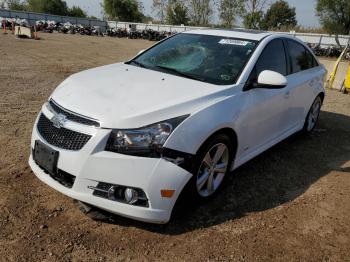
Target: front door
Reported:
point(263, 116)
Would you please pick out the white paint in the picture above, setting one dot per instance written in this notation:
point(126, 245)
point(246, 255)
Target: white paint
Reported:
point(272, 78)
point(125, 96)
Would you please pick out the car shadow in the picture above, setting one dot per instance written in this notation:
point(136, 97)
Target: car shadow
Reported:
point(279, 175)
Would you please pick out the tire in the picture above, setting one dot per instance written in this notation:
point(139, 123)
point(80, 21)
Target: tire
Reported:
point(312, 116)
point(209, 171)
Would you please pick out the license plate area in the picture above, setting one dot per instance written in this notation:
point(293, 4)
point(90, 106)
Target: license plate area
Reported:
point(45, 157)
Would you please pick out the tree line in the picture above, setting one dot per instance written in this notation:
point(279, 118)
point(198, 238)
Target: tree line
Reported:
point(334, 15)
point(54, 7)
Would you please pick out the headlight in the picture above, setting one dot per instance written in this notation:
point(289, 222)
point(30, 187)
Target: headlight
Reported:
point(146, 141)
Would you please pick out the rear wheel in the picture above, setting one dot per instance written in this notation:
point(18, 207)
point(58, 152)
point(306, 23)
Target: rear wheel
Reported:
point(312, 116)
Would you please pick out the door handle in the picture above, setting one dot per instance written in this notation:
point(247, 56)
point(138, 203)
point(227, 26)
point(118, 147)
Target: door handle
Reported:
point(287, 94)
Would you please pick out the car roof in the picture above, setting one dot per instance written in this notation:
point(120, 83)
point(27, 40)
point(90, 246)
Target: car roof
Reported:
point(255, 35)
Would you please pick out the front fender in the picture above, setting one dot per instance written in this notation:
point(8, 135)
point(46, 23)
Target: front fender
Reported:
point(199, 126)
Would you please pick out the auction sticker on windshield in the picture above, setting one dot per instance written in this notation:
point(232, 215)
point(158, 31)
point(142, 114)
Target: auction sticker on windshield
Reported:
point(233, 42)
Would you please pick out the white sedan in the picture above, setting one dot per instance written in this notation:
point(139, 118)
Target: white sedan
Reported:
point(129, 138)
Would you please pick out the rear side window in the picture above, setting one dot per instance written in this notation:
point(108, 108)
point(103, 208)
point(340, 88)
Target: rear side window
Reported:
point(273, 58)
point(300, 58)
point(311, 59)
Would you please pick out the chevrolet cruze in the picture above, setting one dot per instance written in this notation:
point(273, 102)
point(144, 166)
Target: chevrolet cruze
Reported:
point(130, 137)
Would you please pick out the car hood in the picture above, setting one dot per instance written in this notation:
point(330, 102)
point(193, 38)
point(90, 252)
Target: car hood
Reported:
point(126, 96)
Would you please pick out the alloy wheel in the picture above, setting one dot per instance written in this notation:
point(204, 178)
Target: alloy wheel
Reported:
point(212, 169)
point(313, 115)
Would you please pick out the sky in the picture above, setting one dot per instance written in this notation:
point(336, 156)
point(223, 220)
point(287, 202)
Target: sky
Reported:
point(305, 9)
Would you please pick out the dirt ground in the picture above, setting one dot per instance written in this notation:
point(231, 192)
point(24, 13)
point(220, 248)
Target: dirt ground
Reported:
point(291, 203)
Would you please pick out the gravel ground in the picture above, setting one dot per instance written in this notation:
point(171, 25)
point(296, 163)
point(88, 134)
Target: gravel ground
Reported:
point(290, 203)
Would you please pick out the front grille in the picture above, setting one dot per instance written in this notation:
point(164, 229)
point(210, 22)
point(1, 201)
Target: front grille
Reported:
point(61, 137)
point(71, 116)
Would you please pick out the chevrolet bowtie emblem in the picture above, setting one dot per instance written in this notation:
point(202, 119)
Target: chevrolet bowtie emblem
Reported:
point(59, 120)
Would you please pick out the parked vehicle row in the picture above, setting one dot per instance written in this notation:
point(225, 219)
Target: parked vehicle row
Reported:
point(10, 22)
point(150, 34)
point(131, 32)
point(48, 26)
point(68, 28)
point(329, 51)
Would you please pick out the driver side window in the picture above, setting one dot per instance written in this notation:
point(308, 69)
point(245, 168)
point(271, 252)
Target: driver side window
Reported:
point(273, 58)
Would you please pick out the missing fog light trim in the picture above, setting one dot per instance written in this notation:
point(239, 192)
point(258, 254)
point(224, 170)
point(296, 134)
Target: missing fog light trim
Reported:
point(117, 193)
point(112, 193)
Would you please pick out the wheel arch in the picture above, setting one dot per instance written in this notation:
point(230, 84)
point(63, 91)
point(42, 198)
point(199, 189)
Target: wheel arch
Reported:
point(321, 95)
point(187, 192)
point(226, 131)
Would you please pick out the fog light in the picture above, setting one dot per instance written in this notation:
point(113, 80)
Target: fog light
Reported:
point(131, 196)
point(122, 194)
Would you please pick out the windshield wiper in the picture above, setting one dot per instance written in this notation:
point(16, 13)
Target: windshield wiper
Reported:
point(177, 72)
point(136, 63)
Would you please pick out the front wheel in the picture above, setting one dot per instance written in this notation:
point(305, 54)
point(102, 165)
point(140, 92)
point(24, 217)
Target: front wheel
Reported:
point(212, 165)
point(312, 116)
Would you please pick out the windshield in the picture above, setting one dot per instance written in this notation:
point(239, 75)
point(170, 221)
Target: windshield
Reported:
point(213, 59)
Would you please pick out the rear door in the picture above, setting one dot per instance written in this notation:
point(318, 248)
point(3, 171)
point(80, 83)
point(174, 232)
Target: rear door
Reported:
point(304, 80)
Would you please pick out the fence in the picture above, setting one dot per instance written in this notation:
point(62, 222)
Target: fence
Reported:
point(33, 17)
point(156, 27)
point(323, 39)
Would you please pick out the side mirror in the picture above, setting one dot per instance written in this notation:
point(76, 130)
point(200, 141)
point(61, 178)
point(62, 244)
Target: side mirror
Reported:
point(141, 51)
point(271, 80)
